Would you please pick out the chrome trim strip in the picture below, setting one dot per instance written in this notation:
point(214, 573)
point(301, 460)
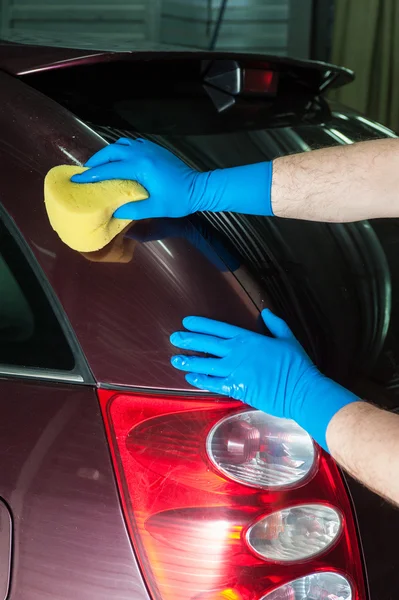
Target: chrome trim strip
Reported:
point(43, 374)
point(377, 126)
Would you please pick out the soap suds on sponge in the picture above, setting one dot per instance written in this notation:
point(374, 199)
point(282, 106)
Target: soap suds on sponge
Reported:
point(82, 213)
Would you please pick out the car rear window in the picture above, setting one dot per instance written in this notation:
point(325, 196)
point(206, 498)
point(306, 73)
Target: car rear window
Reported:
point(336, 284)
point(30, 335)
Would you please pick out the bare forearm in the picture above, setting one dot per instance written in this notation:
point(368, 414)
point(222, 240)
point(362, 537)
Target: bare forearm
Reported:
point(364, 440)
point(344, 183)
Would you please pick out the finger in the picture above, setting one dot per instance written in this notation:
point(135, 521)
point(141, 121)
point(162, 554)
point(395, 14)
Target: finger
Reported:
point(141, 209)
point(110, 170)
point(276, 326)
point(211, 327)
point(217, 385)
point(196, 364)
point(111, 153)
point(199, 343)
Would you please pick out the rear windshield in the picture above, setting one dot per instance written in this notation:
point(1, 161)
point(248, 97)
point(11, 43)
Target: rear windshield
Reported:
point(30, 335)
point(336, 285)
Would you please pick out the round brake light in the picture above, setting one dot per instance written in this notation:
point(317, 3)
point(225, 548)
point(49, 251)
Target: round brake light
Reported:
point(261, 451)
point(295, 533)
point(318, 586)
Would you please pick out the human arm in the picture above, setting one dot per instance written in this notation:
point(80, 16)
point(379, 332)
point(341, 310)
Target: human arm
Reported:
point(364, 440)
point(274, 374)
point(343, 183)
point(175, 189)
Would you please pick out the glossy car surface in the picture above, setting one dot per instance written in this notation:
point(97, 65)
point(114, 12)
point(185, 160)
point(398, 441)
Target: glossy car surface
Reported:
point(335, 284)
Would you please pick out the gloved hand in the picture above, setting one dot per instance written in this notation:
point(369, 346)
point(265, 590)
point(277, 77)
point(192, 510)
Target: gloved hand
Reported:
point(271, 374)
point(176, 190)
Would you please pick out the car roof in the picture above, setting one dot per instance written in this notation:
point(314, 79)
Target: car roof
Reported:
point(22, 59)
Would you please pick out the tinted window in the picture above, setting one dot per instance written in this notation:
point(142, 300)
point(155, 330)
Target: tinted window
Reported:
point(30, 335)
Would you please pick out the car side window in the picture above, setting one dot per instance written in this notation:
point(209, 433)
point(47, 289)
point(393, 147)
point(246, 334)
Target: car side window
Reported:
point(30, 335)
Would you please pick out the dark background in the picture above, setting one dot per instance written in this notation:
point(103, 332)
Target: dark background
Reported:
point(359, 34)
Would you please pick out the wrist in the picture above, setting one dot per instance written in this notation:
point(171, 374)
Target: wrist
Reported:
point(322, 399)
point(346, 422)
point(244, 189)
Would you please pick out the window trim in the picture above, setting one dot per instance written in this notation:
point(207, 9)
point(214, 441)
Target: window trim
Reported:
point(81, 373)
point(40, 374)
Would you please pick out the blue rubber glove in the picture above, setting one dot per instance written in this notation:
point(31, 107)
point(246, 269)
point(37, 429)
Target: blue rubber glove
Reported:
point(271, 374)
point(176, 190)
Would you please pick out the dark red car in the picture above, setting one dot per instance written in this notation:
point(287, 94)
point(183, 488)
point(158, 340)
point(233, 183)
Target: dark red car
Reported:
point(118, 481)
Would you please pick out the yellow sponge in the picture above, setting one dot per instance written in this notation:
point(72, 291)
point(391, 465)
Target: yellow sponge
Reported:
point(81, 213)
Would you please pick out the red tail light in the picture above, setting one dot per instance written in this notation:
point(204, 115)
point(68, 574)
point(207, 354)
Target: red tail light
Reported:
point(257, 81)
point(191, 519)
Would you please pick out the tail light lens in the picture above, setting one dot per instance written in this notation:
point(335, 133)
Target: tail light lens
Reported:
point(211, 494)
point(261, 451)
point(318, 586)
point(296, 533)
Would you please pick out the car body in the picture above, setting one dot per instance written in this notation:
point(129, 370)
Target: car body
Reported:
point(106, 325)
